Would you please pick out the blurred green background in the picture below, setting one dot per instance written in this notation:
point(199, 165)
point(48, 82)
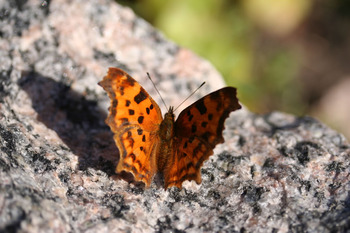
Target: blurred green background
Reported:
point(286, 55)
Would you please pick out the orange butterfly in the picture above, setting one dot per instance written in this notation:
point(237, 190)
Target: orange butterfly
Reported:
point(149, 144)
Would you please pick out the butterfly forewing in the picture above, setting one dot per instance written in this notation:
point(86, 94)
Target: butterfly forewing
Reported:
point(198, 129)
point(130, 103)
point(134, 118)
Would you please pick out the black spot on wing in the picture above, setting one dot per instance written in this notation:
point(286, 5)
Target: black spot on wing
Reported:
point(140, 119)
point(210, 116)
point(127, 103)
point(194, 128)
point(130, 80)
point(147, 111)
point(201, 107)
point(144, 138)
point(185, 145)
point(139, 131)
point(204, 124)
point(141, 96)
point(131, 112)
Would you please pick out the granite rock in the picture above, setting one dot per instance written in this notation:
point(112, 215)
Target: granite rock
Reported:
point(274, 173)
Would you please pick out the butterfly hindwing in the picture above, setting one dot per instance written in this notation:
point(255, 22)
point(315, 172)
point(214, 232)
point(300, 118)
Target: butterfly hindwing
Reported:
point(134, 118)
point(137, 153)
point(186, 161)
point(198, 129)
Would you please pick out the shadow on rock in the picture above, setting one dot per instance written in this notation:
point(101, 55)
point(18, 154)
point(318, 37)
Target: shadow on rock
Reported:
point(77, 121)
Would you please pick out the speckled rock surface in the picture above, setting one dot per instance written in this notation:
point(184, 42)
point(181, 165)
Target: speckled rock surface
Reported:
point(274, 173)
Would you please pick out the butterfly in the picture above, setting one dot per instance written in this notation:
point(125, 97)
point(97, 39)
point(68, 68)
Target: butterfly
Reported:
point(150, 144)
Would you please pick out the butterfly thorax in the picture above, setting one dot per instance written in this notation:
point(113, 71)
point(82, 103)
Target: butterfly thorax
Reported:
point(166, 135)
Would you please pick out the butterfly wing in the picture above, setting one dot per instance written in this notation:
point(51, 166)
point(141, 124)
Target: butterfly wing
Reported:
point(198, 129)
point(134, 118)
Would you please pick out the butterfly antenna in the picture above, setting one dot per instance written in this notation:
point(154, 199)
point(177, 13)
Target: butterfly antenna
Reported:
point(189, 96)
point(157, 91)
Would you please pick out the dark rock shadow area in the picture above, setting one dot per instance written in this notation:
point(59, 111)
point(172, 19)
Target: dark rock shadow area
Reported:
point(78, 122)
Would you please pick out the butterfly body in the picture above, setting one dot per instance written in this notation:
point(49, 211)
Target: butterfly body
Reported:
point(149, 144)
point(166, 136)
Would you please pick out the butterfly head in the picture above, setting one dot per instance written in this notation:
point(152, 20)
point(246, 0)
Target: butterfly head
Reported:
point(170, 114)
point(167, 125)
